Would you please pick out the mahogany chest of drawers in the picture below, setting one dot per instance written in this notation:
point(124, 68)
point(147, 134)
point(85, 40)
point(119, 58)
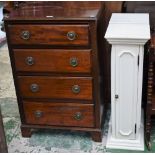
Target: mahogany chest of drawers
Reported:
point(55, 56)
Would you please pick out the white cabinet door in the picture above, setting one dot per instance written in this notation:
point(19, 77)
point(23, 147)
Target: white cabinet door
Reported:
point(126, 88)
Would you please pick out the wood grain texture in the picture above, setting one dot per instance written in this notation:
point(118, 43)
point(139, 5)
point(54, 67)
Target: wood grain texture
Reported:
point(56, 87)
point(49, 34)
point(59, 114)
point(150, 96)
point(58, 9)
point(55, 81)
point(52, 60)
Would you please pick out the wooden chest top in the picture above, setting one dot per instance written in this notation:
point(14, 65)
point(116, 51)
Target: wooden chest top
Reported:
point(57, 11)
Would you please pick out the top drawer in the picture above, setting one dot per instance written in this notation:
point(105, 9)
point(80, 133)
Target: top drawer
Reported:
point(65, 35)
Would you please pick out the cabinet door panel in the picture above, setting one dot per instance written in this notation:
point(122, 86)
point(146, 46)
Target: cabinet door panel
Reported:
point(126, 89)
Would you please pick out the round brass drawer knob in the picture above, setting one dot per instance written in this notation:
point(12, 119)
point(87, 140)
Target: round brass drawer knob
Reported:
point(29, 61)
point(76, 89)
point(25, 35)
point(78, 116)
point(34, 88)
point(73, 62)
point(71, 35)
point(38, 114)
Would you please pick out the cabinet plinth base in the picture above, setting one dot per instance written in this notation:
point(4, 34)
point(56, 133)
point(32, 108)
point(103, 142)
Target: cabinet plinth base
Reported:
point(28, 130)
point(115, 143)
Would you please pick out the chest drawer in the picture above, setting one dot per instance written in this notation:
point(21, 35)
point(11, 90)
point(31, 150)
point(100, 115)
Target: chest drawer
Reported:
point(65, 35)
point(63, 114)
point(50, 60)
point(55, 87)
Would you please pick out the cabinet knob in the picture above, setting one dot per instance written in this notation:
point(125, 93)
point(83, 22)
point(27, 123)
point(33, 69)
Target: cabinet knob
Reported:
point(34, 88)
point(76, 89)
point(29, 61)
point(78, 116)
point(71, 35)
point(25, 35)
point(38, 114)
point(73, 62)
point(116, 96)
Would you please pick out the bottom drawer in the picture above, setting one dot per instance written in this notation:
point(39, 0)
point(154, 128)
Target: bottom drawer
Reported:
point(61, 114)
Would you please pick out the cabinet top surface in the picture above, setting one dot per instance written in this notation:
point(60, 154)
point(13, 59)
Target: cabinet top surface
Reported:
point(129, 18)
point(56, 11)
point(129, 26)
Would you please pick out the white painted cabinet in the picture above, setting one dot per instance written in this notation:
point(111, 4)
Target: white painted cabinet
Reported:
point(127, 33)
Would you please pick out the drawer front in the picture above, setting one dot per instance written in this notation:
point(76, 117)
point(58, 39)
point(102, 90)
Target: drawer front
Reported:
point(49, 35)
point(39, 60)
point(55, 87)
point(61, 114)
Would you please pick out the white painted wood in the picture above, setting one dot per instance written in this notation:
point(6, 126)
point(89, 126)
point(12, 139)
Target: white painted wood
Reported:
point(116, 143)
point(129, 18)
point(122, 29)
point(127, 33)
point(126, 88)
point(113, 63)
